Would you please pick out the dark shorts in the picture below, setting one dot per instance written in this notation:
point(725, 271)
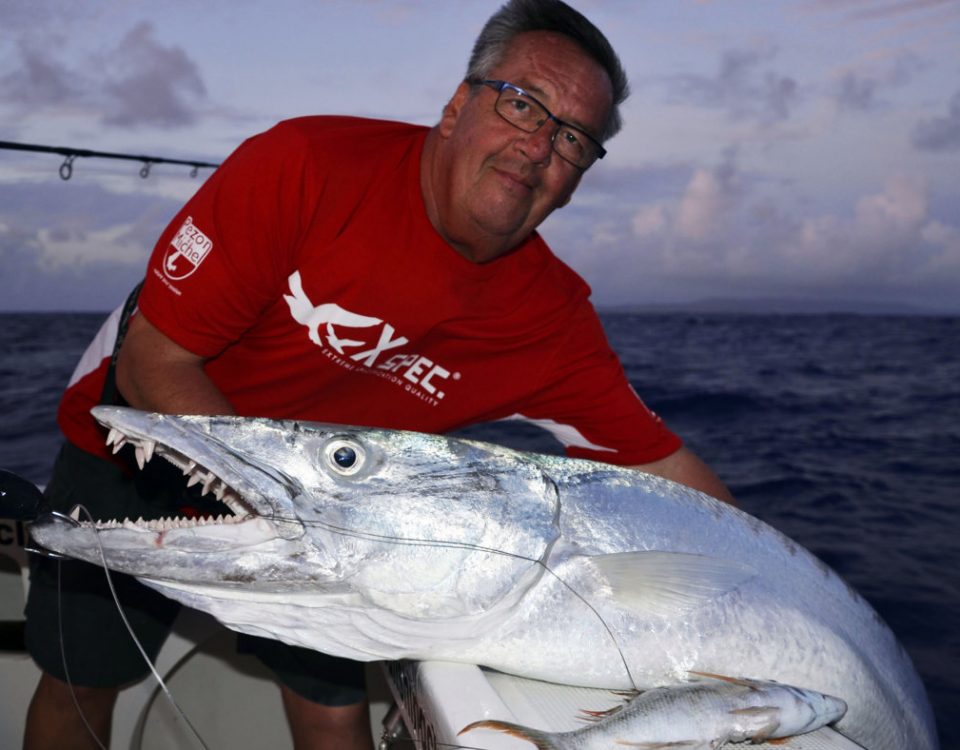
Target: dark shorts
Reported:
point(97, 649)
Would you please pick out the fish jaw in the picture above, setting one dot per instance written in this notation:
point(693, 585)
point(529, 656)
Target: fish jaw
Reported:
point(256, 545)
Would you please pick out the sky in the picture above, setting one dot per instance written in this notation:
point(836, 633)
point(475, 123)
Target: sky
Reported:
point(802, 151)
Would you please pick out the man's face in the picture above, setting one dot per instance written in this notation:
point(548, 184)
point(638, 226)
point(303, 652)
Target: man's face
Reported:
point(497, 182)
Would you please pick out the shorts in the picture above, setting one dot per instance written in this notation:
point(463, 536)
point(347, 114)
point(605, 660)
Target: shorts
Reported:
point(97, 650)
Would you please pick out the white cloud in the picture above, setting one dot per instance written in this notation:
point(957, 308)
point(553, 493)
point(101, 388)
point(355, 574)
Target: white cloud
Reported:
point(650, 220)
point(61, 247)
point(718, 238)
point(702, 207)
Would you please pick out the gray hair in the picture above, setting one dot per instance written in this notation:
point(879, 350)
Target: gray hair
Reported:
point(520, 16)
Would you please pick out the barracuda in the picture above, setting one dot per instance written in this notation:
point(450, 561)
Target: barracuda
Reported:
point(376, 544)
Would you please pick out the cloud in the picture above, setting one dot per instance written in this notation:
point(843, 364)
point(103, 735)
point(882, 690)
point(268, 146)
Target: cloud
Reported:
point(150, 84)
point(860, 89)
point(857, 11)
point(137, 82)
point(742, 87)
point(38, 81)
point(856, 92)
point(726, 233)
point(940, 133)
point(886, 9)
point(65, 248)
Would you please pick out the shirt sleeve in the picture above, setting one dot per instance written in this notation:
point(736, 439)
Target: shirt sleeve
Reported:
point(227, 254)
point(591, 407)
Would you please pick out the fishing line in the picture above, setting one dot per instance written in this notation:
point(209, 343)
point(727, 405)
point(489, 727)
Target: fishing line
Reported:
point(161, 684)
point(66, 671)
point(447, 544)
point(136, 641)
point(376, 537)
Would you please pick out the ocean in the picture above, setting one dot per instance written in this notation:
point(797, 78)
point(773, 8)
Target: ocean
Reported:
point(842, 431)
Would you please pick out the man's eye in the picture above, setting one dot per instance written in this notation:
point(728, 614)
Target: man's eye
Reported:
point(571, 138)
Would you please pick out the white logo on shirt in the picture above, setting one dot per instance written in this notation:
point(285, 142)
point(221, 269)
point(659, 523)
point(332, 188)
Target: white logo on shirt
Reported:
point(187, 250)
point(325, 326)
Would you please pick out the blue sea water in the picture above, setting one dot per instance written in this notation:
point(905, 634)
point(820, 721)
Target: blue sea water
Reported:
point(842, 431)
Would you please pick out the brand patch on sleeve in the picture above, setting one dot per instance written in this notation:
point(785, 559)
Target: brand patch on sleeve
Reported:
point(186, 252)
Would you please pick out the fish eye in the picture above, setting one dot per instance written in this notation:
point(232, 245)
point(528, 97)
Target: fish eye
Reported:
point(344, 457)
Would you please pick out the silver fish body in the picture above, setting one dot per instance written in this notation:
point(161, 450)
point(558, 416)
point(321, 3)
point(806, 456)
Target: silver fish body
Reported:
point(703, 714)
point(376, 544)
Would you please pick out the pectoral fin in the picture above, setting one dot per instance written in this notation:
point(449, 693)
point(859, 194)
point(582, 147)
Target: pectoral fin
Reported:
point(668, 583)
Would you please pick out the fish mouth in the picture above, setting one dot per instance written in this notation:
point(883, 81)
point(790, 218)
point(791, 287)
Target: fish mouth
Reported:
point(246, 490)
point(145, 449)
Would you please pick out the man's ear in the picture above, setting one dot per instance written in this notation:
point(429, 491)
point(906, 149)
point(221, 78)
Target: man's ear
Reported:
point(453, 109)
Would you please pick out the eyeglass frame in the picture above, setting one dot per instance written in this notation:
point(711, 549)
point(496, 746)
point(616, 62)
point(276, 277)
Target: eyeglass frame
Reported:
point(499, 86)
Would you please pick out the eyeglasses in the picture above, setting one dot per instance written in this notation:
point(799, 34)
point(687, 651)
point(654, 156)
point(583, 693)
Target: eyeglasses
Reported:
point(523, 111)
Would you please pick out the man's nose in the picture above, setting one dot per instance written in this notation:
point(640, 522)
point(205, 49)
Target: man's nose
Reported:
point(538, 145)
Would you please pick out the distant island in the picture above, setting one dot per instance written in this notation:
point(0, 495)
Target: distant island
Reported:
point(777, 306)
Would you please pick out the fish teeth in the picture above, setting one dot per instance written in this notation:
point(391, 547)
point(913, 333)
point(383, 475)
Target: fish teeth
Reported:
point(208, 482)
point(144, 452)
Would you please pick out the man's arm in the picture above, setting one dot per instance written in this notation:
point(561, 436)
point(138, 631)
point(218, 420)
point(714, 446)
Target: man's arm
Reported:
point(686, 468)
point(156, 374)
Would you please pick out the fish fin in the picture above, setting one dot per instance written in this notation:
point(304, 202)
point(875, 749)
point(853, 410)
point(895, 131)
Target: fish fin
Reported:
point(770, 713)
point(542, 740)
point(752, 684)
point(668, 583)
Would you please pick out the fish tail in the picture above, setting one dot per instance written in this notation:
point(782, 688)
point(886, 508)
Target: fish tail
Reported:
point(542, 740)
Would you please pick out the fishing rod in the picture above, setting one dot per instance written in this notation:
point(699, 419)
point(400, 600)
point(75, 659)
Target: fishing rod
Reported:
point(66, 169)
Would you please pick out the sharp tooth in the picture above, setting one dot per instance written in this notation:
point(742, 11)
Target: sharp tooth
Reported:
point(195, 478)
point(191, 465)
point(219, 490)
point(121, 441)
point(141, 458)
point(75, 513)
point(149, 446)
point(209, 482)
point(114, 435)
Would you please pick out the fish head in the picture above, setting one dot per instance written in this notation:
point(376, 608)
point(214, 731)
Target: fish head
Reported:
point(419, 524)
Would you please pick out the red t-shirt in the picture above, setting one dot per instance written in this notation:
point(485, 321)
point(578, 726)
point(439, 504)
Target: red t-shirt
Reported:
point(307, 271)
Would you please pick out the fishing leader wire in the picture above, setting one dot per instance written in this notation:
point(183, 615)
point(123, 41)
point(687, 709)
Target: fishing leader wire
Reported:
point(450, 544)
point(160, 681)
point(429, 744)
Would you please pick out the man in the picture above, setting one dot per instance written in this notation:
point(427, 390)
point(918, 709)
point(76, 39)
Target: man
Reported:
point(375, 273)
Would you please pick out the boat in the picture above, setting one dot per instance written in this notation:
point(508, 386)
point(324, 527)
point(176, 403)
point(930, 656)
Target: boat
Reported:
point(231, 700)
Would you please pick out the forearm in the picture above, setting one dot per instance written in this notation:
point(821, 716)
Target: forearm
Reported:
point(687, 468)
point(155, 374)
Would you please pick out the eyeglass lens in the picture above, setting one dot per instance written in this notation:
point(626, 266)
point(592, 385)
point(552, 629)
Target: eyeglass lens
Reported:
point(526, 113)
